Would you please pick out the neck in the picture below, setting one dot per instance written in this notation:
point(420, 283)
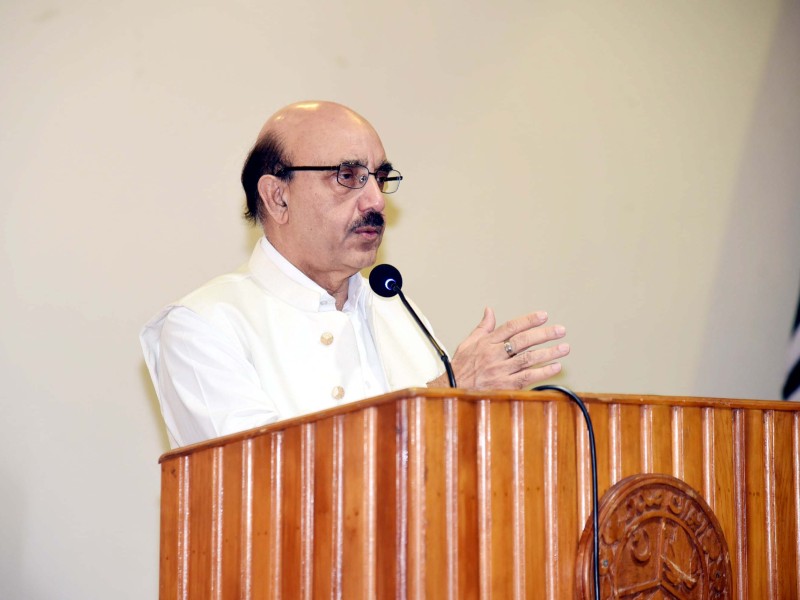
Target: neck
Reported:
point(336, 283)
point(340, 296)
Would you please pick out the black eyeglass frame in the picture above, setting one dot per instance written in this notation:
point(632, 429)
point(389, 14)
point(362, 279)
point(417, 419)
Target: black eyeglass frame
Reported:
point(338, 168)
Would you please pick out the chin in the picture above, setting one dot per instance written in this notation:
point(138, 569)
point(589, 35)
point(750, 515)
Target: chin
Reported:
point(363, 255)
point(366, 259)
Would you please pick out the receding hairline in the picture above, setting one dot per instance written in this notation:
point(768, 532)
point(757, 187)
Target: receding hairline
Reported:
point(297, 115)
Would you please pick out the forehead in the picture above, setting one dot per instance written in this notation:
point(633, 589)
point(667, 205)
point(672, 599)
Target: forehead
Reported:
point(326, 137)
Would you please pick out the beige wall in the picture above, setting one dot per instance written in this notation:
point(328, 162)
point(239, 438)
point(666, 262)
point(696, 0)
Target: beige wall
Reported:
point(629, 166)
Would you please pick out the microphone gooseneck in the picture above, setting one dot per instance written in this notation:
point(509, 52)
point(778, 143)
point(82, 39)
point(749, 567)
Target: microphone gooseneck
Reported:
point(386, 281)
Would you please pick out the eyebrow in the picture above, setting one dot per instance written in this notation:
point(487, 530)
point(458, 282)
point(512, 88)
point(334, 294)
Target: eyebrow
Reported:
point(384, 166)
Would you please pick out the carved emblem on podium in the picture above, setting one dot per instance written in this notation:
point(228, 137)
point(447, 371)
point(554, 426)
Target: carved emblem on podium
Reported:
point(658, 539)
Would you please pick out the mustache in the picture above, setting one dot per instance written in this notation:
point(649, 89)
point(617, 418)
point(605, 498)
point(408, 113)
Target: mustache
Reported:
point(371, 219)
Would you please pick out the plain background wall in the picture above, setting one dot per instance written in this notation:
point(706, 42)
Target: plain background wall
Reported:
point(630, 166)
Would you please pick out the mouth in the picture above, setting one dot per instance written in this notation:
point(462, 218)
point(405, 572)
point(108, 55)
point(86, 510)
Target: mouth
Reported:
point(368, 232)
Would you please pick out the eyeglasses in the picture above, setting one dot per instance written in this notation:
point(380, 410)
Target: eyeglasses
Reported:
point(356, 176)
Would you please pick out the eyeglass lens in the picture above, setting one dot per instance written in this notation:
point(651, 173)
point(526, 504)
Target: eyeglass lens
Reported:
point(356, 176)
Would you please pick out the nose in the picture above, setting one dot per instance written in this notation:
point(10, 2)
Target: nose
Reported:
point(371, 197)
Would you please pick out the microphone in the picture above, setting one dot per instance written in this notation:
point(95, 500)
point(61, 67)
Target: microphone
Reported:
point(386, 281)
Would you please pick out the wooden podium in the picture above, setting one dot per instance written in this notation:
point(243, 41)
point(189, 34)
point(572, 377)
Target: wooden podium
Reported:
point(449, 494)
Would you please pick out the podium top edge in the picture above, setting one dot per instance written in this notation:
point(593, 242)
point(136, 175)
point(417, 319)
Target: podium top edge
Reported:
point(488, 396)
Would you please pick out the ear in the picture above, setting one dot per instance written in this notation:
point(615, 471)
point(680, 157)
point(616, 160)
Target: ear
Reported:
point(274, 194)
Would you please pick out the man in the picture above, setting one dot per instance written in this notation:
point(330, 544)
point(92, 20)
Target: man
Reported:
point(297, 329)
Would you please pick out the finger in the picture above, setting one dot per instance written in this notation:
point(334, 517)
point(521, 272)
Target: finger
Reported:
point(529, 377)
point(532, 358)
point(488, 320)
point(518, 325)
point(528, 339)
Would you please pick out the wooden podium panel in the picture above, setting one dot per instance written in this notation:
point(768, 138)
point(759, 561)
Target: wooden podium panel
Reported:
point(452, 494)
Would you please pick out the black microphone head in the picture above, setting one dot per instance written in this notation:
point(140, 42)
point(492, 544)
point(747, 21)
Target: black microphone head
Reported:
point(385, 280)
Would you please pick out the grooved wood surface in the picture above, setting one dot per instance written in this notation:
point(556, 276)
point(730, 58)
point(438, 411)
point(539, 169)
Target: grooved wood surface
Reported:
point(454, 494)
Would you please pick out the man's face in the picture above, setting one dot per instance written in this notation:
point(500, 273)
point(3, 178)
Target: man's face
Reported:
point(333, 231)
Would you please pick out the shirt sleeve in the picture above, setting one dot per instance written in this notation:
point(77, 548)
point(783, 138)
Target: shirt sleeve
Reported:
point(205, 384)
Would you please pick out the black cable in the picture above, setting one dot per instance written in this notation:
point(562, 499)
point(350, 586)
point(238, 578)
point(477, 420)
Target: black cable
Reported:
point(593, 451)
point(442, 354)
point(386, 281)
